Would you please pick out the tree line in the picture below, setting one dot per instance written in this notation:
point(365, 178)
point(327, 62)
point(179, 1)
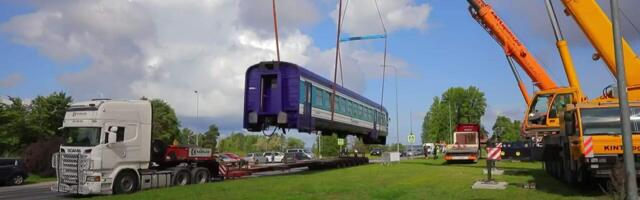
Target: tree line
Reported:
point(242, 144)
point(455, 105)
point(31, 130)
point(463, 105)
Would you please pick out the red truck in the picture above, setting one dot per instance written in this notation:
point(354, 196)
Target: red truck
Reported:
point(466, 144)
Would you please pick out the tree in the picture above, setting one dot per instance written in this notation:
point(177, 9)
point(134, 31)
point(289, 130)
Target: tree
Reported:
point(164, 125)
point(329, 145)
point(360, 146)
point(13, 126)
point(187, 136)
point(509, 130)
point(394, 147)
point(295, 143)
point(456, 105)
point(210, 139)
point(47, 114)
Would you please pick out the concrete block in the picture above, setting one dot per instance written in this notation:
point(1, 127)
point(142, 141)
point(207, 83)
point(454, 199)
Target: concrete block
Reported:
point(489, 185)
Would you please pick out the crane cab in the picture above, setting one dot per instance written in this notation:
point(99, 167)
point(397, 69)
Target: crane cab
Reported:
point(542, 117)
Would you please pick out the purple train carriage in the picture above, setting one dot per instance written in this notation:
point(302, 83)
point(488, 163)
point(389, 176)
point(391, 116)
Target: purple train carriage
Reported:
point(287, 96)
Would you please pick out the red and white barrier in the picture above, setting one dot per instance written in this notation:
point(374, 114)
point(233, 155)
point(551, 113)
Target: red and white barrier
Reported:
point(222, 170)
point(494, 153)
point(587, 143)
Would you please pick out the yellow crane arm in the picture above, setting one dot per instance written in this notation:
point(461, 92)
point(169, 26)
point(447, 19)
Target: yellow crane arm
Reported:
point(597, 27)
point(486, 16)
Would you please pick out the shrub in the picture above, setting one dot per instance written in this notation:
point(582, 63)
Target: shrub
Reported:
point(37, 156)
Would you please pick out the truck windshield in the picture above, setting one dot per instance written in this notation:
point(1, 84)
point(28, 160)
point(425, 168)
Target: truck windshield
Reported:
point(596, 121)
point(466, 138)
point(82, 136)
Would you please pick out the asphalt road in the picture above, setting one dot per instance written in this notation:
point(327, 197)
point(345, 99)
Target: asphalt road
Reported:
point(30, 192)
point(41, 190)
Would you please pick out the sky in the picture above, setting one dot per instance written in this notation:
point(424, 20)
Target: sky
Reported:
point(126, 49)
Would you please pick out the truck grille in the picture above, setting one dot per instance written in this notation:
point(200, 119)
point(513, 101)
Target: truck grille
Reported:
point(70, 167)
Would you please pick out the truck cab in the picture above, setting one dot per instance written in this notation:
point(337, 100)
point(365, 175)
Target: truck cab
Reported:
point(590, 143)
point(466, 144)
point(104, 140)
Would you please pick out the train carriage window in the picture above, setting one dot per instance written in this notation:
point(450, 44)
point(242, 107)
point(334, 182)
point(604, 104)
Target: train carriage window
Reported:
point(303, 92)
point(338, 104)
point(351, 109)
point(342, 106)
point(371, 115)
point(317, 97)
point(326, 99)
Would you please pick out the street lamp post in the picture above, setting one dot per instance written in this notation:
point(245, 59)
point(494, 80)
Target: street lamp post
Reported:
point(197, 101)
point(631, 187)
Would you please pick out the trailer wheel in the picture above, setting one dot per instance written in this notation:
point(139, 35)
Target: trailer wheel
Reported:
point(181, 176)
point(126, 182)
point(200, 175)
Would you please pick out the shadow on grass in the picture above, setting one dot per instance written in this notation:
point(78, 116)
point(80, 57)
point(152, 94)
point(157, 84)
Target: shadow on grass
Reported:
point(543, 181)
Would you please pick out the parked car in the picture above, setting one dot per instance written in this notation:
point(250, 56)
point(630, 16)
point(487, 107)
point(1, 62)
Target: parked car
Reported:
point(12, 172)
point(306, 152)
point(376, 152)
point(274, 156)
point(255, 158)
point(415, 152)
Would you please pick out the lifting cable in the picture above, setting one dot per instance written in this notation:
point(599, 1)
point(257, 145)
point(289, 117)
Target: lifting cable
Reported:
point(630, 22)
point(275, 27)
point(346, 6)
point(384, 59)
point(335, 69)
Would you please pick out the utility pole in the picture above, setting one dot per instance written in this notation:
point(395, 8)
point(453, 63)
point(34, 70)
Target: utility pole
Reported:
point(197, 101)
point(631, 186)
point(450, 132)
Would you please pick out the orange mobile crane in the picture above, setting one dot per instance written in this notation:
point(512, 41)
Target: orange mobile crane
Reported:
point(589, 144)
point(541, 117)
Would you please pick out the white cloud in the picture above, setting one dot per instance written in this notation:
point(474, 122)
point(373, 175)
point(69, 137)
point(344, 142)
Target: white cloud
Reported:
point(11, 80)
point(168, 49)
point(362, 16)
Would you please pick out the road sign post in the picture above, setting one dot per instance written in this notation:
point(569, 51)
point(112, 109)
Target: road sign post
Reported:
point(411, 139)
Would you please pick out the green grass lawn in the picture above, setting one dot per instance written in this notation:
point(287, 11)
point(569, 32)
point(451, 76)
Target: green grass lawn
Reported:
point(38, 179)
point(411, 179)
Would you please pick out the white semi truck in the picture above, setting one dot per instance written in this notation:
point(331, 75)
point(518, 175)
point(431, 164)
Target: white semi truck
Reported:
point(108, 149)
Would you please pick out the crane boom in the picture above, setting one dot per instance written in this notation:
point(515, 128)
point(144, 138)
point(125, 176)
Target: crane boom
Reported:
point(513, 48)
point(597, 27)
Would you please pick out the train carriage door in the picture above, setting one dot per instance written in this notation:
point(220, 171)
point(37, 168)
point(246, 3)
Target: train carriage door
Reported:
point(307, 118)
point(268, 89)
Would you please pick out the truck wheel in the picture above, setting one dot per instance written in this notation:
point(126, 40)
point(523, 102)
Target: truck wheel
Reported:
point(126, 182)
point(181, 176)
point(200, 175)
